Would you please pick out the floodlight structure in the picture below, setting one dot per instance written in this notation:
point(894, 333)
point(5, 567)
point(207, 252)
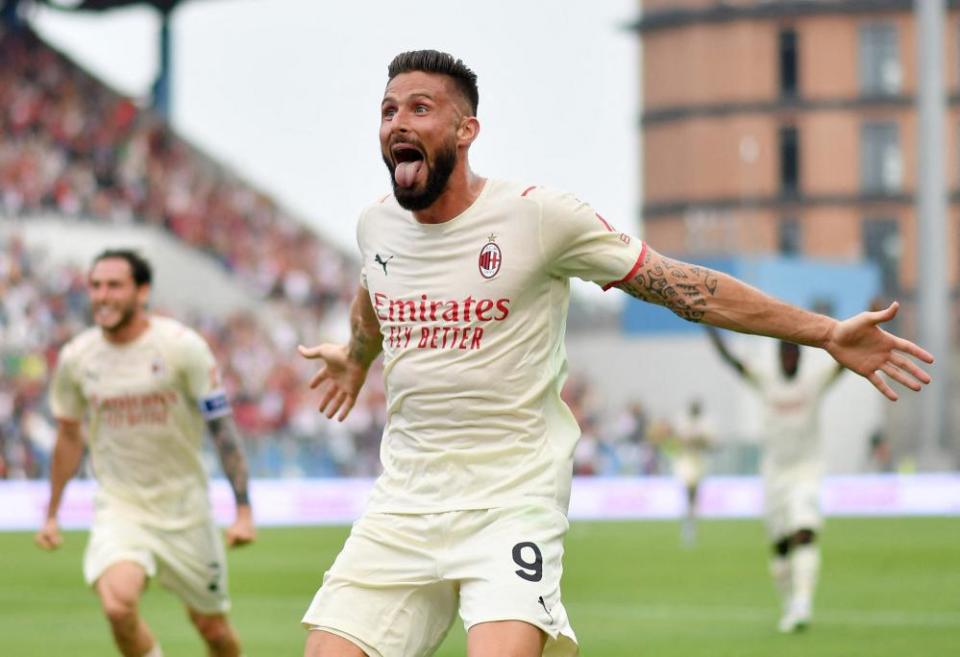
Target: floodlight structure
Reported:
point(161, 97)
point(933, 294)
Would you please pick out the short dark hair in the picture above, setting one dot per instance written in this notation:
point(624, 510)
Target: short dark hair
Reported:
point(434, 61)
point(139, 267)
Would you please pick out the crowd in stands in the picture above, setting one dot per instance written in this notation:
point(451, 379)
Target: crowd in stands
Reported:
point(71, 147)
point(43, 304)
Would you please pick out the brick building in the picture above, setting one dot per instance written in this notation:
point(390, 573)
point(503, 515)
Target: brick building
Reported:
point(791, 127)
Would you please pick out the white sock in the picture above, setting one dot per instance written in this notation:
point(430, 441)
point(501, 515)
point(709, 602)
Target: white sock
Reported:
point(805, 562)
point(782, 572)
point(155, 651)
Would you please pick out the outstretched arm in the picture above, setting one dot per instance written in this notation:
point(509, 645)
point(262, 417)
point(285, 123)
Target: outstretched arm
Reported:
point(345, 366)
point(725, 354)
point(699, 294)
point(67, 454)
point(226, 438)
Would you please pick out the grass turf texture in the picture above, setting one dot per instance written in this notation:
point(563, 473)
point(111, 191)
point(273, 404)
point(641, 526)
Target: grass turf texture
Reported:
point(889, 587)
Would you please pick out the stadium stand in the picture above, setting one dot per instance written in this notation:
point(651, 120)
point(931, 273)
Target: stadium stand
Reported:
point(71, 147)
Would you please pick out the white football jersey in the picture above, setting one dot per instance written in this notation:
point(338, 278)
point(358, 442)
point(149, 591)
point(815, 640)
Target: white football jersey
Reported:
point(144, 426)
point(473, 313)
point(791, 413)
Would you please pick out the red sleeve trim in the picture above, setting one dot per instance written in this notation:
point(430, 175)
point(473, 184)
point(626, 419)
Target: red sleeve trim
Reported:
point(528, 190)
point(633, 272)
point(605, 223)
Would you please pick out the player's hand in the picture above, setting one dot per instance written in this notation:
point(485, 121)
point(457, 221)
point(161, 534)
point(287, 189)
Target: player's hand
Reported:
point(242, 531)
point(341, 377)
point(49, 537)
point(860, 345)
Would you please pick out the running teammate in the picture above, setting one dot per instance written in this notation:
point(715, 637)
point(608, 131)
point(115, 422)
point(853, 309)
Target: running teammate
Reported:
point(464, 290)
point(791, 468)
point(692, 438)
point(145, 386)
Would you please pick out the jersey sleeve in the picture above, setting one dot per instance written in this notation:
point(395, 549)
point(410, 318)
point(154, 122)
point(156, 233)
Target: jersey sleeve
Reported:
point(66, 397)
point(201, 376)
point(578, 242)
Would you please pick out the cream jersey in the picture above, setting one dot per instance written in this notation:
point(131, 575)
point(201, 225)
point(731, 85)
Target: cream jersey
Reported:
point(473, 312)
point(791, 414)
point(141, 403)
point(694, 435)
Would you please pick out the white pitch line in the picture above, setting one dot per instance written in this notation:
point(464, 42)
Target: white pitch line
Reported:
point(856, 617)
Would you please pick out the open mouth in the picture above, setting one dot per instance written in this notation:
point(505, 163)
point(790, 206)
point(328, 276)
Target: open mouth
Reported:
point(408, 160)
point(404, 153)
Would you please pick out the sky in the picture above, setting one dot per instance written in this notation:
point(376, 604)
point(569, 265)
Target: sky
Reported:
point(287, 92)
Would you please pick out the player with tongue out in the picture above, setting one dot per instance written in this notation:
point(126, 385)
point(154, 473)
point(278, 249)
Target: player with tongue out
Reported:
point(469, 514)
point(427, 160)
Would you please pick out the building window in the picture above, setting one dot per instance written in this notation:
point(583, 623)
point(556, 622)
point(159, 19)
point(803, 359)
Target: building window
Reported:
point(881, 167)
point(880, 73)
point(881, 246)
point(788, 63)
point(790, 236)
point(789, 161)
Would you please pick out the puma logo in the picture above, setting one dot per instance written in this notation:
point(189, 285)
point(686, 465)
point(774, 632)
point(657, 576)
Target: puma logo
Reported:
point(383, 263)
point(544, 605)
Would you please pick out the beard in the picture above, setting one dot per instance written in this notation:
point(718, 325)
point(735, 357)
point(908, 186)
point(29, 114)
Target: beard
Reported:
point(437, 176)
point(127, 313)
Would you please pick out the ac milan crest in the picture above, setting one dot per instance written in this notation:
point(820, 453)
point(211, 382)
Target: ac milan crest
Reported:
point(491, 258)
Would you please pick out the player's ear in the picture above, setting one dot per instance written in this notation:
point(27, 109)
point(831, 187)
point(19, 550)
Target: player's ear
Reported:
point(468, 130)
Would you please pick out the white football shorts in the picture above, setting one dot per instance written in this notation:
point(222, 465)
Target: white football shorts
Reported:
point(791, 502)
point(400, 579)
point(189, 562)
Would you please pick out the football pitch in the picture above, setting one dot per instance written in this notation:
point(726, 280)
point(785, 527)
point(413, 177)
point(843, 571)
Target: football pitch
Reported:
point(889, 587)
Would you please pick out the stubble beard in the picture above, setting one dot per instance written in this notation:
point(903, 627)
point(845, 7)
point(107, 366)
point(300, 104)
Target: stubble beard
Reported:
point(127, 313)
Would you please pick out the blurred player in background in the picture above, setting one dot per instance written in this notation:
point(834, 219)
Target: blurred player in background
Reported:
point(464, 289)
point(791, 467)
point(691, 439)
point(144, 386)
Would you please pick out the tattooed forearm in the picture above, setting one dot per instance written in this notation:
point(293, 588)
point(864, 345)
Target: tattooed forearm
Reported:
point(682, 288)
point(226, 439)
point(366, 343)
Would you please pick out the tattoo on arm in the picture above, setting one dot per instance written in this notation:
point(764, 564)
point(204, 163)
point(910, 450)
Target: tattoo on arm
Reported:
point(226, 438)
point(683, 288)
point(366, 343)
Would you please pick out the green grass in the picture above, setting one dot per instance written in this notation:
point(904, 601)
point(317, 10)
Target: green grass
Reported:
point(889, 587)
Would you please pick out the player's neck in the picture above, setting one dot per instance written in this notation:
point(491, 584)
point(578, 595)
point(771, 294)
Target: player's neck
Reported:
point(463, 188)
point(130, 331)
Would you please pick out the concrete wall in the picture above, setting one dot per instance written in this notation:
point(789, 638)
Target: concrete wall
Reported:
point(184, 279)
point(665, 373)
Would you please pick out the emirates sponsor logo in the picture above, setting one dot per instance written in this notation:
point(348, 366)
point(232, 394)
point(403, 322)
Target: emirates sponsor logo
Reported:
point(444, 323)
point(426, 309)
point(491, 258)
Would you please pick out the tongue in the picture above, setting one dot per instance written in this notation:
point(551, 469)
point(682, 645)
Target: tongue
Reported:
point(406, 173)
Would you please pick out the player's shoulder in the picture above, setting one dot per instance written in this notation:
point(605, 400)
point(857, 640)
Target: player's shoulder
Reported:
point(383, 205)
point(80, 344)
point(557, 205)
point(377, 214)
point(539, 194)
point(171, 331)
